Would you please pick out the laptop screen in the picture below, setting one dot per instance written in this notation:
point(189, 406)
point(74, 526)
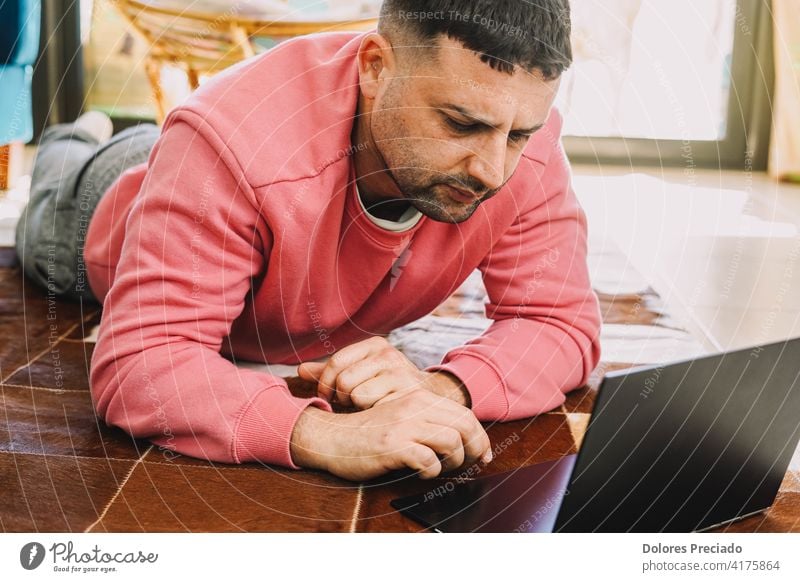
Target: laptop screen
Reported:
point(686, 446)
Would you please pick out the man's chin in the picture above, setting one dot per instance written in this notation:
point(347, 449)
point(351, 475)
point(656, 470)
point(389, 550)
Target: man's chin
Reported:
point(449, 213)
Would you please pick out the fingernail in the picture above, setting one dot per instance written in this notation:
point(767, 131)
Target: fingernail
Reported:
point(487, 456)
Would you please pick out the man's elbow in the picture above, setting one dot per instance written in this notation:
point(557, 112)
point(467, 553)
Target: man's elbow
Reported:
point(107, 380)
point(587, 336)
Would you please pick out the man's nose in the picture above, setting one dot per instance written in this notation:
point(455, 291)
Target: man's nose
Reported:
point(487, 163)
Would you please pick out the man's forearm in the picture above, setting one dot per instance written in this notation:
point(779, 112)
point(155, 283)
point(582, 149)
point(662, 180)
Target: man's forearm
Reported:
point(449, 386)
point(306, 436)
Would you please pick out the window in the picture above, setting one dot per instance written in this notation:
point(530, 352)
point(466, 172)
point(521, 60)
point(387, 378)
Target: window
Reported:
point(674, 83)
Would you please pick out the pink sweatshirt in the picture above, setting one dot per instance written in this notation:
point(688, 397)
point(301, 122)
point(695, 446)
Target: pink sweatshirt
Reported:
point(242, 237)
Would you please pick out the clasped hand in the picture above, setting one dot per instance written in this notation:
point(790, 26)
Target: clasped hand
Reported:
point(406, 417)
point(365, 374)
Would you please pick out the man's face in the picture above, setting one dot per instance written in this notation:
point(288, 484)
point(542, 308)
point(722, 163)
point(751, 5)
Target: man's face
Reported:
point(456, 123)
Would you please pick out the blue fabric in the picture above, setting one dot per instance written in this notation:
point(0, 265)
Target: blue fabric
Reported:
point(20, 21)
point(9, 30)
point(16, 109)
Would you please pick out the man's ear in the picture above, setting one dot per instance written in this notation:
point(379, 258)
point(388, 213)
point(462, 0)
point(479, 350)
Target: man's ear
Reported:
point(376, 60)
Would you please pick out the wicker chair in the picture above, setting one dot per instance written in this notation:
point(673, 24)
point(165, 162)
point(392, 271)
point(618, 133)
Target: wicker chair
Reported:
point(206, 43)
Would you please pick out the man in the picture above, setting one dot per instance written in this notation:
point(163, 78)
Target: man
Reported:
point(271, 216)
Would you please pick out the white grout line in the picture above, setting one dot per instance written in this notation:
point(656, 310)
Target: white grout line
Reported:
point(119, 490)
point(57, 390)
point(40, 354)
point(131, 460)
point(357, 509)
point(573, 429)
point(72, 328)
point(61, 456)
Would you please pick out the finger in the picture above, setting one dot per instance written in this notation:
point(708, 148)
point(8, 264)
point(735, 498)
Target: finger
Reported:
point(365, 371)
point(476, 441)
point(445, 442)
point(387, 371)
point(345, 358)
point(311, 370)
point(375, 390)
point(423, 460)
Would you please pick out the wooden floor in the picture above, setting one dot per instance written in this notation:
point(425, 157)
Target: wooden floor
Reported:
point(63, 470)
point(722, 248)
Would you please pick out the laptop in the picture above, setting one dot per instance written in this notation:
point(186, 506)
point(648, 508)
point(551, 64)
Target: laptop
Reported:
point(680, 447)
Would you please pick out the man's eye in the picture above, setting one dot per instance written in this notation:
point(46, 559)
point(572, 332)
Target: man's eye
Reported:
point(461, 127)
point(519, 137)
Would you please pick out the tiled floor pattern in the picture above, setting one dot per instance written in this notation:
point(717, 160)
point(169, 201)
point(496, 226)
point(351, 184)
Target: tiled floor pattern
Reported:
point(63, 470)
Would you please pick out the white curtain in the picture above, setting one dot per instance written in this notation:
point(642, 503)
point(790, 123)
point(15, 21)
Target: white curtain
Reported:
point(784, 159)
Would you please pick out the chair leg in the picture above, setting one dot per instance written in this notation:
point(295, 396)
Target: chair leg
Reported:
point(242, 41)
point(153, 70)
point(194, 81)
point(11, 164)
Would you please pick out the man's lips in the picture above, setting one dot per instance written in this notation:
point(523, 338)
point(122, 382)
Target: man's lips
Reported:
point(461, 195)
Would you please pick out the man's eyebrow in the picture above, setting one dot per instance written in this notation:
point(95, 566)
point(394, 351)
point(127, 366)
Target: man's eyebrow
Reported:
point(460, 110)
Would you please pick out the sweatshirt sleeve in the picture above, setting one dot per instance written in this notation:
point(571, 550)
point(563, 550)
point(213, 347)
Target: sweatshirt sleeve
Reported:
point(192, 245)
point(544, 340)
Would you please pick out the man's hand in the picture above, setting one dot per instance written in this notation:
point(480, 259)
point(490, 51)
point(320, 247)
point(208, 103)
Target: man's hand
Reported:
point(416, 429)
point(371, 371)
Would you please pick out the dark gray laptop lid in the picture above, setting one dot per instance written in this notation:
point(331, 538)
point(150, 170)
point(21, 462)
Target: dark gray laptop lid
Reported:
point(687, 446)
point(675, 448)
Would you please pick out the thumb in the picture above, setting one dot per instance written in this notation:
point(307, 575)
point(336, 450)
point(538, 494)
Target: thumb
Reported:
point(311, 370)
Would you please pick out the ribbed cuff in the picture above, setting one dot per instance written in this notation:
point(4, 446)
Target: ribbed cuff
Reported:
point(265, 428)
point(485, 386)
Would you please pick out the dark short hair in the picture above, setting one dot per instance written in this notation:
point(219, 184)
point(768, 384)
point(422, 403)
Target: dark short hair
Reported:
point(532, 34)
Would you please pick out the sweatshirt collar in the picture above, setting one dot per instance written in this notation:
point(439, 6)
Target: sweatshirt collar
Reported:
point(407, 221)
